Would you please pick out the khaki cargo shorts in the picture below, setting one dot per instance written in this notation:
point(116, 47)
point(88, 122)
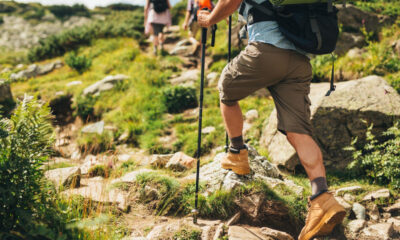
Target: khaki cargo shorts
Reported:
point(286, 73)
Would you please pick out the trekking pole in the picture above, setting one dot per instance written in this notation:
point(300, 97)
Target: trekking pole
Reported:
point(203, 52)
point(229, 60)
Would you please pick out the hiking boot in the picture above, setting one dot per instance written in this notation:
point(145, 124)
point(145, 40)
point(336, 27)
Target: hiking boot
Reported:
point(324, 213)
point(237, 161)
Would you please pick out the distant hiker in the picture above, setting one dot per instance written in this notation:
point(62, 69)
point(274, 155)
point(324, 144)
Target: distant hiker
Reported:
point(156, 16)
point(193, 7)
point(271, 60)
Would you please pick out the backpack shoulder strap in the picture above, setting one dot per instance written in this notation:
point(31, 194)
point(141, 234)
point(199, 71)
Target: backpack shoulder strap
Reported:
point(260, 7)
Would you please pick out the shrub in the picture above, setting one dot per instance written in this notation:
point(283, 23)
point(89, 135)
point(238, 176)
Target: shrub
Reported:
point(79, 63)
point(25, 142)
point(178, 98)
point(177, 11)
point(99, 170)
point(378, 160)
point(85, 107)
point(1, 20)
point(122, 7)
point(63, 11)
point(94, 143)
point(7, 8)
point(35, 13)
point(129, 24)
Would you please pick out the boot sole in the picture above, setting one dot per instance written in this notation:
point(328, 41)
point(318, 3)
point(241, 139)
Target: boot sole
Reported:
point(238, 171)
point(333, 217)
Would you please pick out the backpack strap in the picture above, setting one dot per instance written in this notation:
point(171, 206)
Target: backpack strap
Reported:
point(332, 87)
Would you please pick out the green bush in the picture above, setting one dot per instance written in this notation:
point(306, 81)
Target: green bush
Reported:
point(79, 63)
point(178, 11)
point(63, 11)
point(35, 13)
point(122, 7)
point(178, 98)
point(85, 107)
point(379, 160)
point(1, 20)
point(25, 142)
point(7, 8)
point(94, 143)
point(119, 24)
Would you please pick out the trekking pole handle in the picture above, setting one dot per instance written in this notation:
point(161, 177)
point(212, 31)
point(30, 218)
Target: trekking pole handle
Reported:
point(214, 29)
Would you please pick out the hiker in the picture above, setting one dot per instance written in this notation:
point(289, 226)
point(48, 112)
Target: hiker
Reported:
point(156, 17)
point(193, 6)
point(271, 60)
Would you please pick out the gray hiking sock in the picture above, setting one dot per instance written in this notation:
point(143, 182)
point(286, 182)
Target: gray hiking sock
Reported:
point(237, 142)
point(318, 186)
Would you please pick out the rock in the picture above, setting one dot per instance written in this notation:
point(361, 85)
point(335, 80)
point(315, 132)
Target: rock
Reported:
point(184, 48)
point(251, 115)
point(349, 40)
point(90, 161)
point(208, 130)
point(395, 222)
point(47, 68)
point(337, 120)
point(394, 208)
point(160, 160)
point(106, 84)
point(254, 233)
point(356, 225)
point(180, 162)
point(217, 178)
point(382, 193)
point(355, 52)
point(278, 235)
point(382, 231)
point(67, 177)
point(348, 189)
point(96, 190)
point(373, 213)
point(187, 78)
point(31, 71)
point(212, 79)
point(131, 176)
point(342, 202)
point(348, 197)
point(274, 182)
point(359, 211)
point(124, 157)
point(97, 127)
point(74, 83)
point(6, 70)
point(168, 230)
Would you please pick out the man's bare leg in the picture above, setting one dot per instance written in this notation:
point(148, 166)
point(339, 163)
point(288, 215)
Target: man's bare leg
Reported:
point(233, 119)
point(309, 153)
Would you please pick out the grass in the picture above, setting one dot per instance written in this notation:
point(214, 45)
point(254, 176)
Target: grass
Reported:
point(59, 165)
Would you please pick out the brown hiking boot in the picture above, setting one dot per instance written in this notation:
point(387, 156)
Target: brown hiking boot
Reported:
point(324, 214)
point(237, 161)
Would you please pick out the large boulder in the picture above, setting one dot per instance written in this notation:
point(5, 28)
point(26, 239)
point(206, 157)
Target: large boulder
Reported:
point(352, 20)
point(337, 120)
point(69, 177)
point(106, 84)
point(187, 78)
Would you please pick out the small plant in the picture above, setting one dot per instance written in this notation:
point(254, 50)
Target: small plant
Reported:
point(178, 98)
point(85, 107)
point(187, 234)
point(94, 143)
point(378, 160)
point(99, 170)
point(79, 63)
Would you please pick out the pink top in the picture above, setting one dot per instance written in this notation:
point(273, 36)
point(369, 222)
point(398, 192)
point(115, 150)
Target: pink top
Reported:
point(160, 18)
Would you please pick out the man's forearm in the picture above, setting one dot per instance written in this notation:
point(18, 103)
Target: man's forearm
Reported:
point(223, 9)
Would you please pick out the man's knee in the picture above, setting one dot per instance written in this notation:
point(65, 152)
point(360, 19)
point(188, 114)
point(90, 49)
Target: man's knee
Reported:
point(229, 103)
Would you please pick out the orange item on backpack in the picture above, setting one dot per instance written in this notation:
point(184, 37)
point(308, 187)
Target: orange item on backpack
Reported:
point(201, 4)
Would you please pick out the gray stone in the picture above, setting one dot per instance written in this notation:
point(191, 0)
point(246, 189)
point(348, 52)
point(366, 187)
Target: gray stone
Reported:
point(342, 202)
point(208, 130)
point(394, 208)
point(356, 225)
point(396, 223)
point(348, 189)
point(212, 78)
point(383, 231)
point(359, 211)
point(382, 193)
point(74, 83)
point(187, 78)
point(337, 120)
point(355, 52)
point(105, 84)
point(97, 127)
point(251, 115)
point(31, 71)
point(184, 48)
point(373, 213)
point(67, 177)
point(275, 234)
point(348, 197)
point(180, 162)
point(160, 160)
